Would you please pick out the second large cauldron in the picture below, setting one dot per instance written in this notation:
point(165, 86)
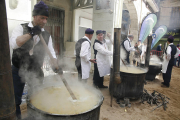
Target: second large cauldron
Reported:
point(153, 70)
point(131, 86)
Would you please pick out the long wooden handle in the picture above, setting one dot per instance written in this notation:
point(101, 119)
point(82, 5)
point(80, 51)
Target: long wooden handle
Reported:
point(46, 47)
point(124, 63)
point(51, 58)
point(69, 89)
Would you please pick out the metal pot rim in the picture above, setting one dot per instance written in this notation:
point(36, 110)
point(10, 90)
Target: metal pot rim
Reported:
point(144, 69)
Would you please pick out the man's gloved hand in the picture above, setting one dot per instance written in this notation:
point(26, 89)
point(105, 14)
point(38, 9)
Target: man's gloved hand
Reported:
point(136, 45)
point(59, 70)
point(36, 30)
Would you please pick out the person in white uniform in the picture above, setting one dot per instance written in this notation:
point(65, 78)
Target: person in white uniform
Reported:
point(28, 52)
point(102, 56)
point(83, 55)
point(108, 41)
point(144, 46)
point(171, 52)
point(126, 45)
point(139, 54)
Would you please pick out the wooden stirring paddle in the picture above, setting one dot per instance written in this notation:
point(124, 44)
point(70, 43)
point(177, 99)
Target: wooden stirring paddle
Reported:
point(51, 59)
point(124, 63)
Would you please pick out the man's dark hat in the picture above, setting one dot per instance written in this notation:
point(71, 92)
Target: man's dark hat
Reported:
point(89, 31)
point(98, 32)
point(170, 39)
point(40, 9)
point(104, 32)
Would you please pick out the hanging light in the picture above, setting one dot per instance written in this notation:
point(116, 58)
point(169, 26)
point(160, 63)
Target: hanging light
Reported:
point(147, 26)
point(160, 32)
point(13, 4)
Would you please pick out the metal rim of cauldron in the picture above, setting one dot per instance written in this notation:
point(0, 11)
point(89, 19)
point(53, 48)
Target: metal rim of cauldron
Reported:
point(145, 71)
point(125, 73)
point(51, 114)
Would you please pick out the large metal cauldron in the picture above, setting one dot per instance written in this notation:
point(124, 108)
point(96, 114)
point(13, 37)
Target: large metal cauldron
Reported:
point(131, 86)
point(36, 114)
point(153, 70)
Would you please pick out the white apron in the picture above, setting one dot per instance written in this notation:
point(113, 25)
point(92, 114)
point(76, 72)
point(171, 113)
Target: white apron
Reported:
point(165, 64)
point(86, 66)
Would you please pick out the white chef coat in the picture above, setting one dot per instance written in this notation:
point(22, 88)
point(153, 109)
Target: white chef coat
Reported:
point(143, 51)
point(18, 31)
point(123, 51)
point(168, 57)
point(127, 47)
point(85, 55)
point(102, 58)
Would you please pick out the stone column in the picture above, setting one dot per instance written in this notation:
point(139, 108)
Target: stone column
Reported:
point(103, 19)
point(33, 2)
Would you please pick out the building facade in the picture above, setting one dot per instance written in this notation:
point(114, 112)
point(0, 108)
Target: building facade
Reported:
point(169, 15)
point(69, 18)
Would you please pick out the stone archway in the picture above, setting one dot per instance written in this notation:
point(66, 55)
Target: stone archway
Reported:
point(133, 17)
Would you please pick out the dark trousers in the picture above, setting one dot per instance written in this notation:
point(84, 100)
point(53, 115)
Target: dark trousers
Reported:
point(79, 72)
point(127, 58)
point(134, 63)
point(178, 61)
point(35, 78)
point(175, 60)
point(18, 89)
point(167, 75)
point(97, 80)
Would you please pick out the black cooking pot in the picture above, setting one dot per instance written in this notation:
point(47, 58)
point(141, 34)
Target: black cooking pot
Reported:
point(131, 86)
point(153, 70)
point(37, 114)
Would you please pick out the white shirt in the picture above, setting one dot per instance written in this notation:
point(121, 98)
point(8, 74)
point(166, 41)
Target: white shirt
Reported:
point(103, 49)
point(143, 50)
point(169, 49)
point(127, 47)
point(85, 50)
point(108, 41)
point(18, 31)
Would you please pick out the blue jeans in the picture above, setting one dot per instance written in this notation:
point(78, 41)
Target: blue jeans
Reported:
point(18, 89)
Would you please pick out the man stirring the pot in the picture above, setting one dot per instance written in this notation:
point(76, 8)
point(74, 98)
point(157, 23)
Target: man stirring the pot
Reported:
point(28, 52)
point(126, 45)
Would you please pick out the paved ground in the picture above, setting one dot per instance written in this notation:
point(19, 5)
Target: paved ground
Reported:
point(139, 111)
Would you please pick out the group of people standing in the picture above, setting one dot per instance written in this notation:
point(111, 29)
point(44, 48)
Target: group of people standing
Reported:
point(28, 54)
point(101, 57)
